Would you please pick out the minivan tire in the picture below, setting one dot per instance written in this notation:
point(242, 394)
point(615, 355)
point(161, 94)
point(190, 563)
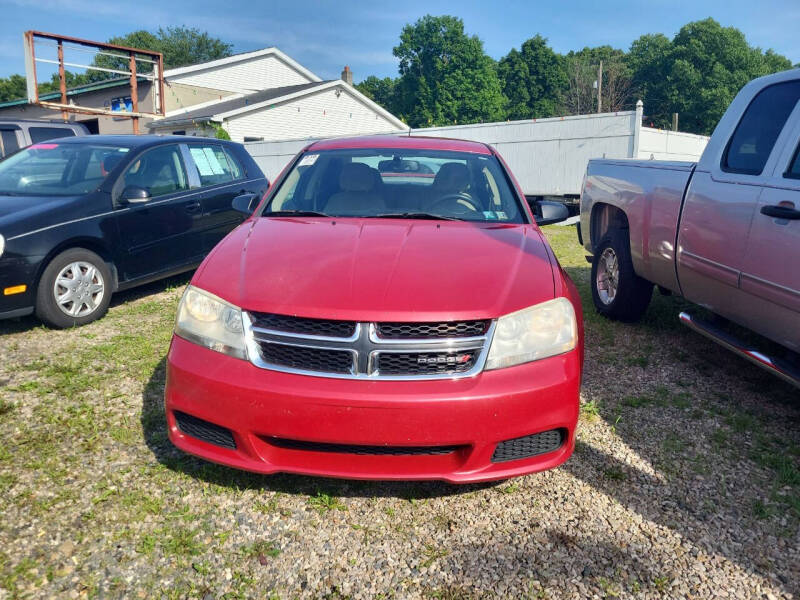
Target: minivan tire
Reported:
point(74, 289)
point(626, 295)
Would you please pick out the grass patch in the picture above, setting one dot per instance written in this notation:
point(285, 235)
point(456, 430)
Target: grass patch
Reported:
point(324, 503)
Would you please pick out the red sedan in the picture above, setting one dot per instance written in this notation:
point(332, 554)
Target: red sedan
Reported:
point(390, 310)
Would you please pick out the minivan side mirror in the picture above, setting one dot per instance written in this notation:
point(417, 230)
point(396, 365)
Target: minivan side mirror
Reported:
point(246, 203)
point(133, 194)
point(547, 212)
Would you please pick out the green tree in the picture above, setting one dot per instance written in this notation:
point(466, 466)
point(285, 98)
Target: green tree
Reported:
point(180, 45)
point(445, 75)
point(534, 80)
point(381, 91)
point(582, 70)
point(698, 73)
point(12, 87)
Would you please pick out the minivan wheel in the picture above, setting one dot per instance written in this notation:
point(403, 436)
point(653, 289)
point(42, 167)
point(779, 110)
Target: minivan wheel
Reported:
point(74, 289)
point(618, 292)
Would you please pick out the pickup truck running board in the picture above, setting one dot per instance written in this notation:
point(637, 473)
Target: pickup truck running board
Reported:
point(775, 366)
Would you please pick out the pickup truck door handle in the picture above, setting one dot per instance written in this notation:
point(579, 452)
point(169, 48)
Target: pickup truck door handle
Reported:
point(780, 212)
point(193, 207)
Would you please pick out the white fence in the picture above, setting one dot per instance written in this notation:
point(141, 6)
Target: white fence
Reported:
point(547, 156)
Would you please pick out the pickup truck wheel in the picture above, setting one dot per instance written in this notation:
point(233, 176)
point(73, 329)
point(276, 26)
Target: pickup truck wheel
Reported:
point(618, 292)
point(75, 289)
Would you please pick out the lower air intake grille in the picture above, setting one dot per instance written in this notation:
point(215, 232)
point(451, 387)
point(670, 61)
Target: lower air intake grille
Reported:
point(309, 359)
point(361, 449)
point(530, 445)
point(425, 363)
point(205, 431)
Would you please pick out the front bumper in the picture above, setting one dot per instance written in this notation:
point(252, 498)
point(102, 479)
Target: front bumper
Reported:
point(16, 271)
point(474, 414)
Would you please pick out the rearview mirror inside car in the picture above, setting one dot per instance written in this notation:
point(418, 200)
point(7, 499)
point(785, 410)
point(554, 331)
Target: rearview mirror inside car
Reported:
point(133, 194)
point(246, 203)
point(546, 212)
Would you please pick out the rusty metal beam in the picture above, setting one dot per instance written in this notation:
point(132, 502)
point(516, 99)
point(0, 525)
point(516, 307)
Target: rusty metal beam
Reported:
point(62, 79)
point(91, 44)
point(134, 93)
point(86, 110)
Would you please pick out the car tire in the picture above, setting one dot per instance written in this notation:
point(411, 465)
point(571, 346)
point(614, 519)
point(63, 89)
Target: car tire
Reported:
point(617, 291)
point(75, 289)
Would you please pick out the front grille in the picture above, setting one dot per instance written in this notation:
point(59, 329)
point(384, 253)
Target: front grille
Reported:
point(365, 350)
point(529, 445)
point(205, 431)
point(425, 363)
point(362, 449)
point(323, 360)
point(302, 325)
point(432, 330)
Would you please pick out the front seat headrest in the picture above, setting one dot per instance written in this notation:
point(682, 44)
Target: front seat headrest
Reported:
point(452, 177)
point(356, 177)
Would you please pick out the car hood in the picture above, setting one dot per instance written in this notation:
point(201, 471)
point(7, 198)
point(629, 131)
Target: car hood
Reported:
point(16, 212)
point(380, 269)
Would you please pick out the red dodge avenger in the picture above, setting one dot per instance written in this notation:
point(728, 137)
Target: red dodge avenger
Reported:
point(390, 310)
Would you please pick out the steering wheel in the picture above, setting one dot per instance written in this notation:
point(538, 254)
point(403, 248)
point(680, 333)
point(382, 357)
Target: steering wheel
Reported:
point(457, 203)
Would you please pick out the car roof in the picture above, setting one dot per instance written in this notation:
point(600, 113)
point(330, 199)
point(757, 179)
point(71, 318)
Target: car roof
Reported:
point(402, 141)
point(135, 140)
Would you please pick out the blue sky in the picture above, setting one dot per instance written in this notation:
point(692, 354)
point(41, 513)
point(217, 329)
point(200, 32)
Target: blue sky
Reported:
point(324, 36)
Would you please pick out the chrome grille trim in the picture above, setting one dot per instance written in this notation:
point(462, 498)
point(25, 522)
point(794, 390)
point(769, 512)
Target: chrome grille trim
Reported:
point(366, 346)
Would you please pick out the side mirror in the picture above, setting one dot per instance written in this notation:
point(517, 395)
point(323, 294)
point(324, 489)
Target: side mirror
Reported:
point(546, 212)
point(246, 203)
point(133, 194)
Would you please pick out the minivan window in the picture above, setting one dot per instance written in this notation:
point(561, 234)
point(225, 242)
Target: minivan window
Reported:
point(42, 134)
point(762, 122)
point(386, 183)
point(8, 142)
point(160, 171)
point(212, 164)
point(52, 169)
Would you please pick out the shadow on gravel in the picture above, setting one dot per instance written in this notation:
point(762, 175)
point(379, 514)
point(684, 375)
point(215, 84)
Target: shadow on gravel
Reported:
point(22, 324)
point(155, 434)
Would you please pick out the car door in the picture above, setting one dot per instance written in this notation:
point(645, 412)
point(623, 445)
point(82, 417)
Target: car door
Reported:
point(221, 180)
point(161, 233)
point(771, 271)
point(721, 202)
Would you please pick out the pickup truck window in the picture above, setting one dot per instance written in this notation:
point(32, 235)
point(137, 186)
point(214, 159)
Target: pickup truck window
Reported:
point(794, 167)
point(755, 135)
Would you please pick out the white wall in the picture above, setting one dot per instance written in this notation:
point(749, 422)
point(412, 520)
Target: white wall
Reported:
point(259, 73)
point(549, 156)
point(321, 114)
point(661, 144)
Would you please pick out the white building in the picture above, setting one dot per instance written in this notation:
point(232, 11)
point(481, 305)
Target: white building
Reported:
point(267, 96)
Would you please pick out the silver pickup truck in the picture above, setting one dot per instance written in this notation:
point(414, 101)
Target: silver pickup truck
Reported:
point(724, 233)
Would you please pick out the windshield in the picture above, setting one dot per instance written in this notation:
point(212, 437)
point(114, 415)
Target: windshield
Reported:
point(52, 169)
point(402, 183)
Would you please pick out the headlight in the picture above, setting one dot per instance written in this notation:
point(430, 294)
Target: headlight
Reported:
point(211, 322)
point(533, 333)
point(2, 244)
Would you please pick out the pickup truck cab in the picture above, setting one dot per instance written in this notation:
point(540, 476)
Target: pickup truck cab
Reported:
point(724, 233)
point(21, 133)
point(390, 311)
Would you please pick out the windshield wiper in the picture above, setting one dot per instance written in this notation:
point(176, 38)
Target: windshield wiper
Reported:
point(413, 215)
point(294, 213)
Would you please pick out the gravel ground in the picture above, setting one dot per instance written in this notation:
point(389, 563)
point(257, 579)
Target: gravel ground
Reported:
point(685, 483)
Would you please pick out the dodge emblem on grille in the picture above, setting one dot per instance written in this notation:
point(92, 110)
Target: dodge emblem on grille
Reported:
point(444, 359)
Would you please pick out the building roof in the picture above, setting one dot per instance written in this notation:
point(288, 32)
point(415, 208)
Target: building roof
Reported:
point(241, 57)
point(210, 110)
point(402, 141)
point(219, 110)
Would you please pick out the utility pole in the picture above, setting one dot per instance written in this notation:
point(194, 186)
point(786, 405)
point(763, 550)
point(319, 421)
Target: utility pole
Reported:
point(674, 121)
point(600, 87)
